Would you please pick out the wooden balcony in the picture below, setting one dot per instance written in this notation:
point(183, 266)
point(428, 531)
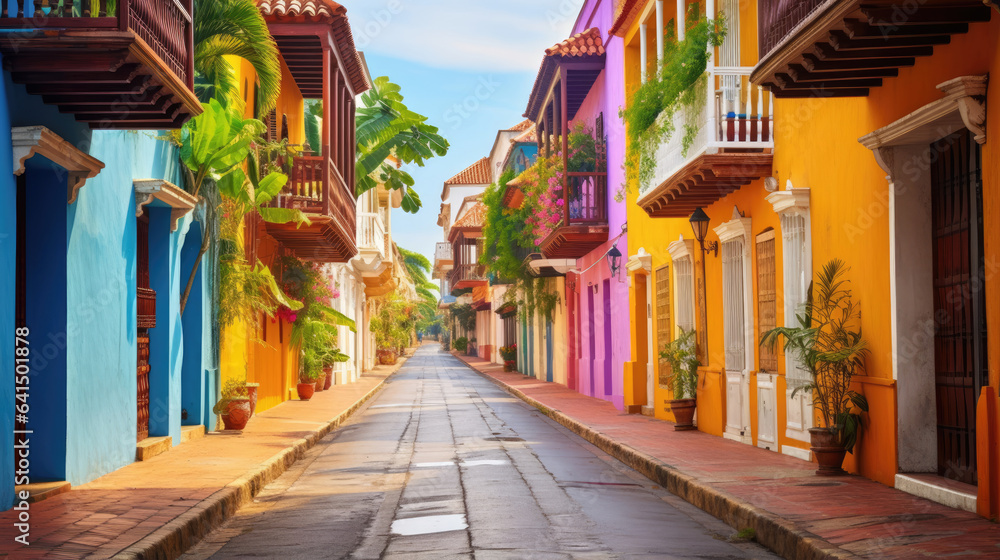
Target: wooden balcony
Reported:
point(843, 48)
point(585, 217)
point(732, 148)
point(316, 187)
point(465, 277)
point(127, 67)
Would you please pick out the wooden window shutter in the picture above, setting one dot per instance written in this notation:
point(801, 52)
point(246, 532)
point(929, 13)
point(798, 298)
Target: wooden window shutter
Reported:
point(664, 324)
point(767, 308)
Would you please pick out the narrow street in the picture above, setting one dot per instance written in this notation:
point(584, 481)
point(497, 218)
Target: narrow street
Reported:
point(443, 464)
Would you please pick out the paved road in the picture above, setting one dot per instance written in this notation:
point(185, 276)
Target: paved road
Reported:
point(443, 464)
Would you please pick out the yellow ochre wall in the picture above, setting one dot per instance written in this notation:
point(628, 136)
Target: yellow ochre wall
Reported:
point(263, 351)
point(816, 147)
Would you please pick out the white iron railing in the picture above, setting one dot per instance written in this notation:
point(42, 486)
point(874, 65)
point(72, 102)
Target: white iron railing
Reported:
point(737, 116)
point(371, 233)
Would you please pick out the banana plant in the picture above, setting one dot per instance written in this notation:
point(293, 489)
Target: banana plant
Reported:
point(386, 127)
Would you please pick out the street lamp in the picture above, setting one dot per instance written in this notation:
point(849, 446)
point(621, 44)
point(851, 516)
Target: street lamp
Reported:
point(699, 223)
point(614, 260)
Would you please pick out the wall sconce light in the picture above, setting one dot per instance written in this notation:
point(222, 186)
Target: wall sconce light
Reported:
point(614, 260)
point(699, 223)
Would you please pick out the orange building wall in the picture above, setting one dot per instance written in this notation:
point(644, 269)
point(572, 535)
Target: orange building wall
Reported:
point(263, 350)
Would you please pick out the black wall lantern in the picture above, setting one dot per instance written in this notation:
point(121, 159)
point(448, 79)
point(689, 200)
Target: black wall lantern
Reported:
point(699, 224)
point(614, 260)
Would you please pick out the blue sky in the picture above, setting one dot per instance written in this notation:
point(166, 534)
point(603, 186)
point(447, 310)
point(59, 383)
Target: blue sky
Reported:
point(468, 65)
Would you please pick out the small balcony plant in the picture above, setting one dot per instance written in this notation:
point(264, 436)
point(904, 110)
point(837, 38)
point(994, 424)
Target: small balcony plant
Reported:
point(828, 343)
point(234, 404)
point(682, 356)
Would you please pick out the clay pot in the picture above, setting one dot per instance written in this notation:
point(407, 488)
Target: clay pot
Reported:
point(829, 451)
point(387, 357)
point(320, 382)
point(683, 410)
point(329, 378)
point(305, 390)
point(252, 389)
point(237, 414)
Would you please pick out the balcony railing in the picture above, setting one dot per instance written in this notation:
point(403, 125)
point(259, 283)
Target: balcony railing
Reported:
point(371, 233)
point(733, 119)
point(316, 187)
point(466, 273)
point(777, 18)
point(164, 25)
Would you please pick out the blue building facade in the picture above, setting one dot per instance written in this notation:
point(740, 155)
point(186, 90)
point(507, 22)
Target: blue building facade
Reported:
point(74, 208)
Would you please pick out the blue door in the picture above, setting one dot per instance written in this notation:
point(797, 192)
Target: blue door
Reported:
point(548, 351)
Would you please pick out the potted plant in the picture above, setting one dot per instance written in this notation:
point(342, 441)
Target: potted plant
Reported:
point(681, 354)
point(309, 368)
point(828, 343)
point(509, 356)
point(461, 344)
point(473, 348)
point(234, 404)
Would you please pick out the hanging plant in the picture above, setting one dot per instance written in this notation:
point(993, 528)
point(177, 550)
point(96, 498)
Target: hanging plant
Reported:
point(681, 83)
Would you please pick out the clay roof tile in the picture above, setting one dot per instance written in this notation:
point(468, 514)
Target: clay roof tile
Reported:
point(476, 174)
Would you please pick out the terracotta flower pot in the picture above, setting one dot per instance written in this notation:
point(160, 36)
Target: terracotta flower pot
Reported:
point(829, 451)
point(329, 378)
point(387, 357)
point(237, 414)
point(683, 410)
point(305, 390)
point(320, 382)
point(252, 389)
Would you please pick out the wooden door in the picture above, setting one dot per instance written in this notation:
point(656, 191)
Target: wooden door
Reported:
point(959, 301)
point(767, 312)
point(145, 320)
point(734, 329)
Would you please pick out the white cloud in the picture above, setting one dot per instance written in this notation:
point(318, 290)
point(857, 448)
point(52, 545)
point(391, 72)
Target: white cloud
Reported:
point(504, 36)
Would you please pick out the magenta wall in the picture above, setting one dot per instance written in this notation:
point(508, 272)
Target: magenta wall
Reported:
point(600, 366)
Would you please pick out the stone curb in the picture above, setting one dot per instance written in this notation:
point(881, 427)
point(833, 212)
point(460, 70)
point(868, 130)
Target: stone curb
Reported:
point(776, 533)
point(171, 540)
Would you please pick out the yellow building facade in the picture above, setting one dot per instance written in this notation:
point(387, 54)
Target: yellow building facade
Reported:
point(848, 177)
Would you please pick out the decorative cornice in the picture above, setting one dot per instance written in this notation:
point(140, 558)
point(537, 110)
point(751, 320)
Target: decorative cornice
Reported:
point(640, 263)
point(180, 201)
point(30, 140)
point(790, 201)
point(681, 248)
point(965, 95)
point(738, 226)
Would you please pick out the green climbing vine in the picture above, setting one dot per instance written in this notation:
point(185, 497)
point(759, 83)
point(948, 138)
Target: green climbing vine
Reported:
point(680, 84)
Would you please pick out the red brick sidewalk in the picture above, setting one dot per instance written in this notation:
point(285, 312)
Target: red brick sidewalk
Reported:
point(179, 494)
point(856, 515)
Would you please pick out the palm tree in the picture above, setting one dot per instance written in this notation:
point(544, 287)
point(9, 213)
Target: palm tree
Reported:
point(386, 127)
point(234, 28)
point(417, 266)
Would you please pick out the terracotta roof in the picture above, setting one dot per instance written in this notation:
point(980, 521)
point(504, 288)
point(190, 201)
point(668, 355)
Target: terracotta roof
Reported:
point(302, 10)
point(322, 11)
point(522, 126)
point(585, 43)
point(476, 174)
point(625, 14)
point(475, 217)
point(527, 136)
